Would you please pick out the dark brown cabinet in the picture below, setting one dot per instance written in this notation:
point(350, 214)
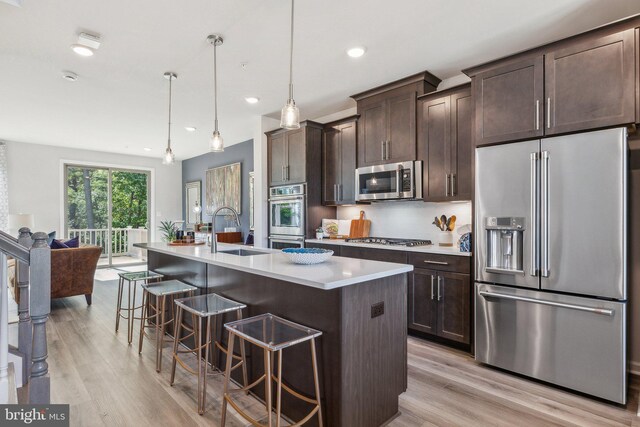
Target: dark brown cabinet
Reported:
point(293, 155)
point(440, 296)
point(339, 162)
point(573, 85)
point(374, 254)
point(387, 124)
point(590, 84)
point(445, 144)
point(508, 101)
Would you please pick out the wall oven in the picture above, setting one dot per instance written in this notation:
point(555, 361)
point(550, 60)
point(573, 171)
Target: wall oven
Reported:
point(287, 215)
point(395, 181)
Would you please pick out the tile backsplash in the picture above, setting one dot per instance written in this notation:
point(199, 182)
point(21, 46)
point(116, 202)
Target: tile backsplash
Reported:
point(409, 220)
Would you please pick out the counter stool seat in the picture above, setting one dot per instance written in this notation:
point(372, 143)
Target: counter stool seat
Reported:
point(203, 308)
point(273, 334)
point(161, 291)
point(132, 278)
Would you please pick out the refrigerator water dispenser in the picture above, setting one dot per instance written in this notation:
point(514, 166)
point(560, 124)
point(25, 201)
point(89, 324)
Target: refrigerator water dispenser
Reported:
point(504, 245)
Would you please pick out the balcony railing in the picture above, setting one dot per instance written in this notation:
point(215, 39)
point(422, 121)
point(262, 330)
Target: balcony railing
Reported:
point(122, 239)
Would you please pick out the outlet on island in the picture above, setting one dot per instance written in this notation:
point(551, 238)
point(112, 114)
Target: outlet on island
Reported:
point(377, 309)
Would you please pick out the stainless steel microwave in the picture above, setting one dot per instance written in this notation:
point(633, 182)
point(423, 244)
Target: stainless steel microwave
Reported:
point(394, 181)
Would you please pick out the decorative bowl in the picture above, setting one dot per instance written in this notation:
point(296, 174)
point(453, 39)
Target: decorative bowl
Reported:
point(307, 255)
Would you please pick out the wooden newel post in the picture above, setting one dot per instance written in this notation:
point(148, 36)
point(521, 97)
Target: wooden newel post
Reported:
point(40, 305)
point(24, 325)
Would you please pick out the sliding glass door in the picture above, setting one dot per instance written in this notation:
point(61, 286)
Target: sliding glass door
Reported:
point(108, 207)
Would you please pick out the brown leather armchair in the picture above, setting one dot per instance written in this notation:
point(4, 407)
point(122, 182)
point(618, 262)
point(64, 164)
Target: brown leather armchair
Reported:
point(72, 271)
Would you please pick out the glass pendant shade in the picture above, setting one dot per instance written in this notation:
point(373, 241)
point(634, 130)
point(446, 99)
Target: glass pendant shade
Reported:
point(216, 143)
point(197, 208)
point(290, 118)
point(169, 158)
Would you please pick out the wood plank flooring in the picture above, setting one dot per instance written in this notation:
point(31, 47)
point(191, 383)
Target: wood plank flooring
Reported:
point(108, 383)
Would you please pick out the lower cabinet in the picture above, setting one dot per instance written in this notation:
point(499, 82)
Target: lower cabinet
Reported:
point(440, 304)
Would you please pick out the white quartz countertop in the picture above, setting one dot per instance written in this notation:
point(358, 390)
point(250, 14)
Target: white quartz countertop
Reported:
point(334, 273)
point(430, 249)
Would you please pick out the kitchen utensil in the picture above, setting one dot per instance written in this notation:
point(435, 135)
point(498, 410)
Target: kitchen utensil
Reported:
point(436, 222)
point(443, 221)
point(451, 224)
point(360, 227)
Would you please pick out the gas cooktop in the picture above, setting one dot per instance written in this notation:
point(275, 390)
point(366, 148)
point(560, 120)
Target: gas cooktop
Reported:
point(390, 241)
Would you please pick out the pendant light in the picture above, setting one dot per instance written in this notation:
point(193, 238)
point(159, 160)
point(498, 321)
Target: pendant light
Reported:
point(216, 143)
point(169, 158)
point(290, 117)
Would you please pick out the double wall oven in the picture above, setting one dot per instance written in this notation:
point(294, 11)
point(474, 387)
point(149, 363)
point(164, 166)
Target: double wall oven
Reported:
point(287, 216)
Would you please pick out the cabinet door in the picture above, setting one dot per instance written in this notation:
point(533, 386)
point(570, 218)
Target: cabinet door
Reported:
point(334, 248)
point(401, 139)
point(296, 156)
point(348, 138)
point(277, 159)
point(509, 102)
point(591, 84)
point(461, 147)
point(454, 295)
point(331, 166)
point(423, 305)
point(372, 133)
point(434, 134)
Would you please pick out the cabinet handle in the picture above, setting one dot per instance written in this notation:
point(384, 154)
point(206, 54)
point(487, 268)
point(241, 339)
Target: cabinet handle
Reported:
point(454, 184)
point(537, 114)
point(335, 192)
point(383, 149)
point(439, 288)
point(436, 262)
point(340, 192)
point(446, 185)
point(282, 172)
point(432, 285)
point(387, 145)
point(287, 169)
point(548, 113)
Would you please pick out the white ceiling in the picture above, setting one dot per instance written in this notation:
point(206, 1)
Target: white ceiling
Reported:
point(119, 103)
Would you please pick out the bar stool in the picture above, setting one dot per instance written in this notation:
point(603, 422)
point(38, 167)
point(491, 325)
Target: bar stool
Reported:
point(132, 278)
point(272, 334)
point(161, 291)
point(209, 307)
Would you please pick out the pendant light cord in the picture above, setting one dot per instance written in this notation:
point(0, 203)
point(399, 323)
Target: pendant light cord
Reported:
point(291, 57)
point(169, 135)
point(215, 85)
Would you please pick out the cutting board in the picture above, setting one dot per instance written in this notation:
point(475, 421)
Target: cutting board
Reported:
point(360, 227)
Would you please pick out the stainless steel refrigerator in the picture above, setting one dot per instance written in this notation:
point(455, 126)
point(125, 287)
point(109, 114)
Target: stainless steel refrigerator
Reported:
point(551, 257)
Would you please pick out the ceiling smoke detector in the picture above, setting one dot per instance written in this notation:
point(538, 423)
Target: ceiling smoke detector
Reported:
point(87, 44)
point(69, 76)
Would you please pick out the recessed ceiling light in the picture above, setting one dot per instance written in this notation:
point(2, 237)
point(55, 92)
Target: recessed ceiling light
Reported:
point(252, 99)
point(82, 50)
point(356, 52)
point(147, 149)
point(189, 128)
point(69, 76)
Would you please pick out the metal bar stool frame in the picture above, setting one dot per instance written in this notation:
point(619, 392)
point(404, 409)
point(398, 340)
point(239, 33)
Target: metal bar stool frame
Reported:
point(131, 307)
point(196, 332)
point(158, 316)
point(269, 376)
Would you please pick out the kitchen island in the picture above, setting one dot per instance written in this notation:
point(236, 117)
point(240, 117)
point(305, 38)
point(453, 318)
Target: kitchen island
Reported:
point(359, 305)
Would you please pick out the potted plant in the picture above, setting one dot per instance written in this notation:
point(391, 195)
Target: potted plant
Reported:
point(168, 230)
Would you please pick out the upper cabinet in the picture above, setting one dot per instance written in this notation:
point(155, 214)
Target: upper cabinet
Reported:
point(293, 155)
point(445, 144)
point(578, 84)
point(339, 162)
point(590, 84)
point(387, 124)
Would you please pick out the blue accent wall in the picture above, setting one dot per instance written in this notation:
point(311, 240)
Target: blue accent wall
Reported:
point(195, 169)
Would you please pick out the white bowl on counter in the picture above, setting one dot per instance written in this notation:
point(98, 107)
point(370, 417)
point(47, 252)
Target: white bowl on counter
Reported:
point(307, 256)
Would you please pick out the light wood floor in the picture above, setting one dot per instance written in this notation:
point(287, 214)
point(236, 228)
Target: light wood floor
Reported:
point(108, 383)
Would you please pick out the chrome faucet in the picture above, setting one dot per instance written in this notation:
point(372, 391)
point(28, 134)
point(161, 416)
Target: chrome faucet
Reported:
point(214, 239)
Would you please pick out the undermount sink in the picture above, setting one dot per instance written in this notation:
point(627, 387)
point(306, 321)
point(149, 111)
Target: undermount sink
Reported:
point(242, 252)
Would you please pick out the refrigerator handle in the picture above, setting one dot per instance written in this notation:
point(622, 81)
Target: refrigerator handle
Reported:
point(544, 215)
point(533, 157)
